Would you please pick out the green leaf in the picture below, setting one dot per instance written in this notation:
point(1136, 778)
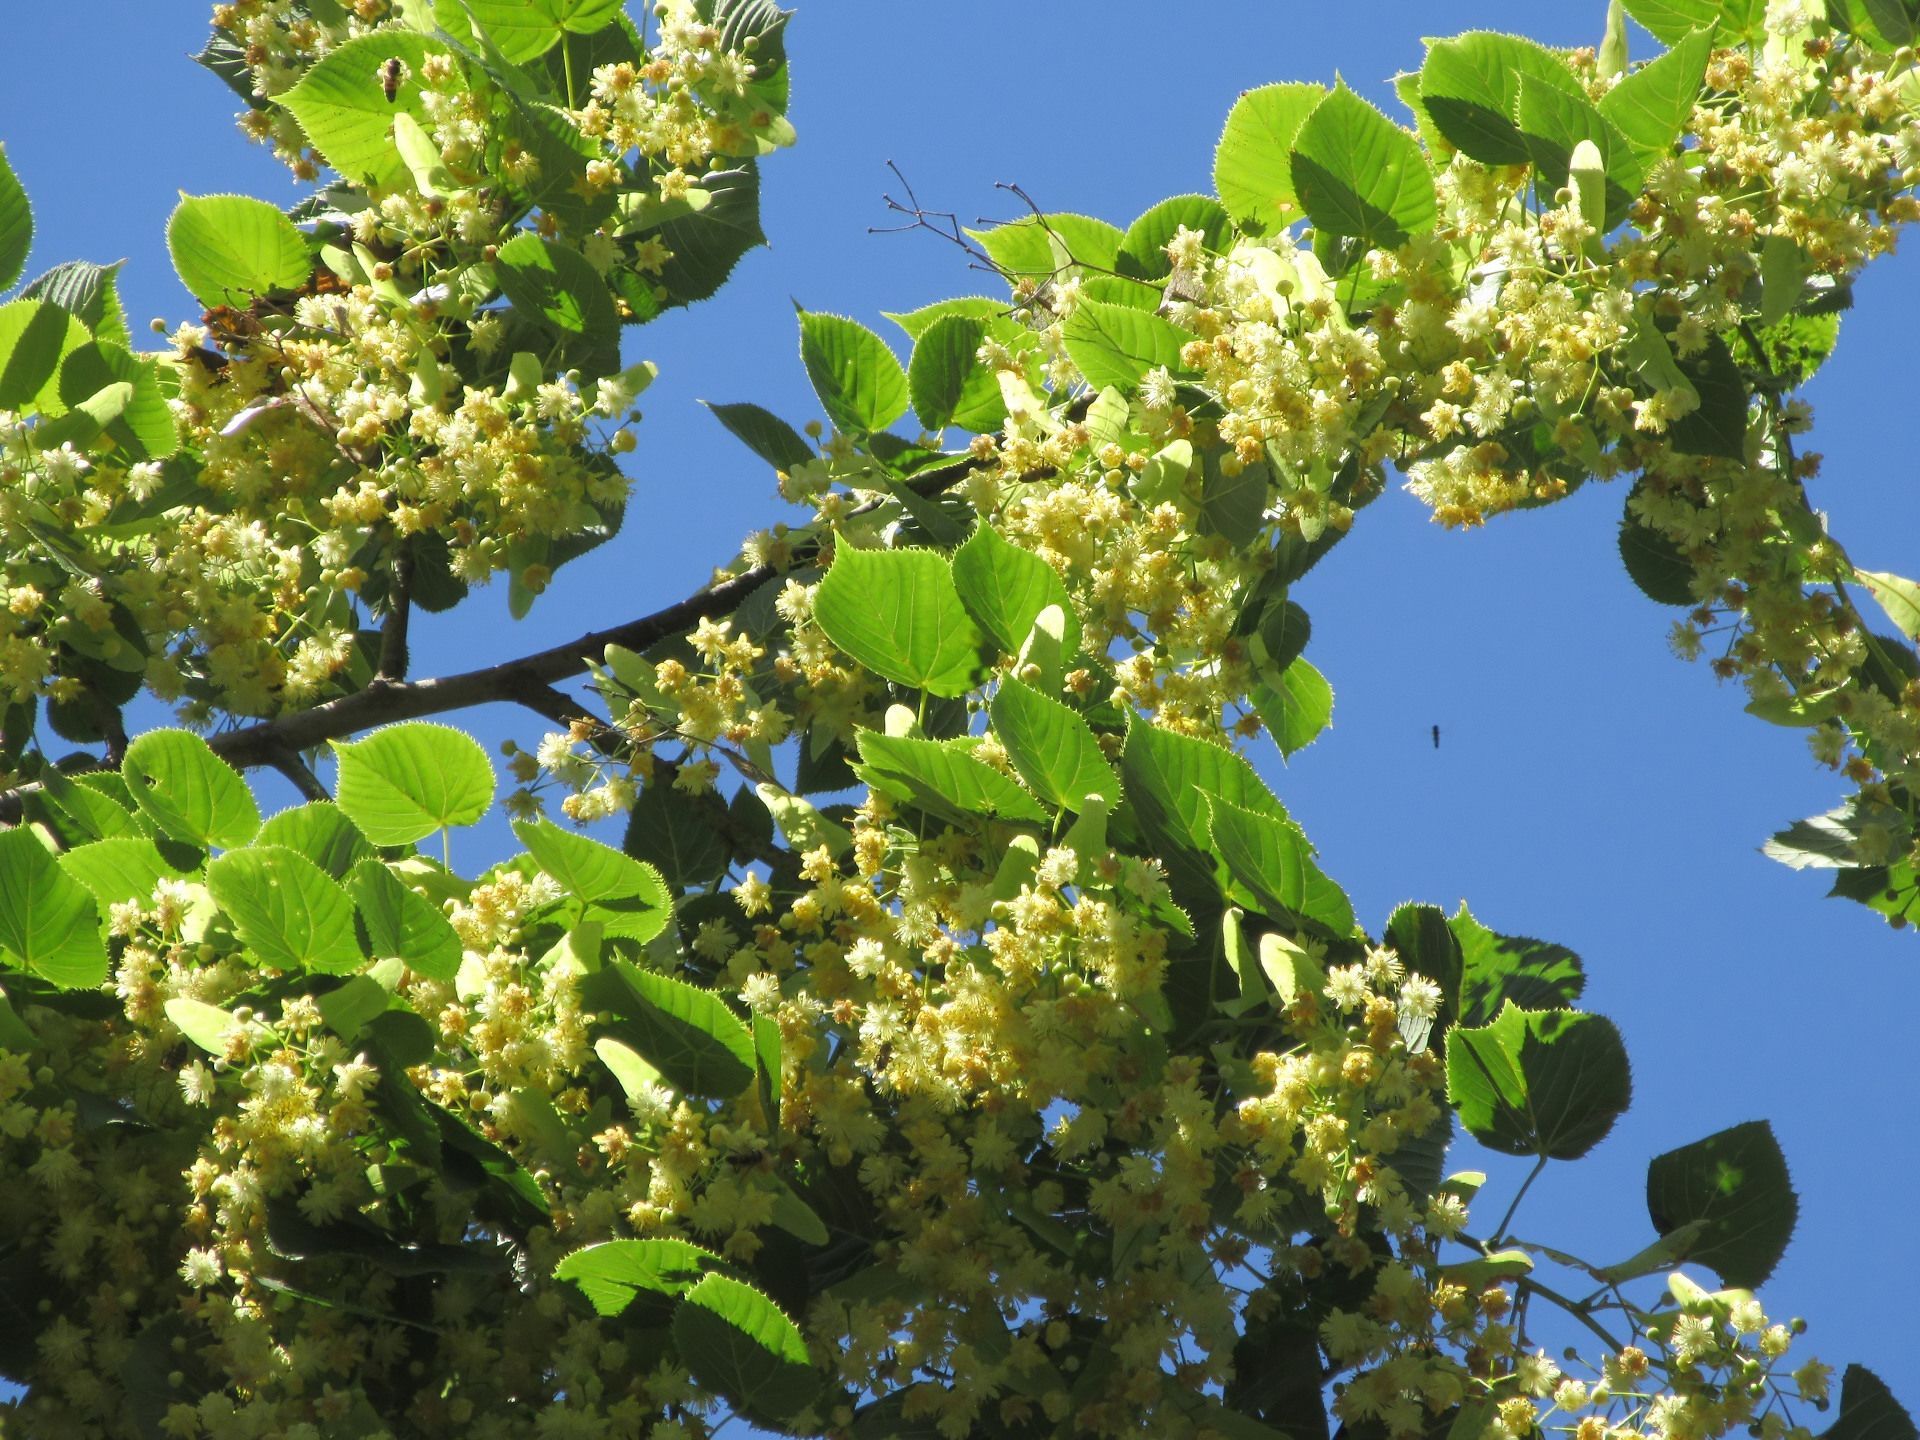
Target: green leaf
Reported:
point(1548, 1083)
point(1272, 858)
point(520, 31)
point(628, 896)
point(1719, 426)
point(1553, 122)
point(552, 284)
point(1882, 24)
point(1143, 249)
point(686, 1033)
point(78, 813)
point(898, 613)
point(738, 1343)
point(15, 1034)
point(615, 1273)
point(797, 1218)
point(1470, 86)
point(628, 1067)
point(119, 869)
point(403, 783)
point(764, 433)
point(188, 791)
point(286, 909)
point(205, 1025)
point(1359, 174)
point(1232, 505)
point(321, 833)
point(230, 249)
point(1040, 246)
point(942, 778)
point(860, 384)
point(1868, 1410)
point(1005, 588)
point(1117, 345)
point(402, 923)
point(917, 322)
point(49, 923)
point(944, 367)
point(707, 244)
point(86, 291)
point(16, 224)
point(1252, 166)
point(344, 110)
point(1427, 945)
point(1655, 563)
point(349, 1007)
point(1052, 747)
point(1651, 106)
point(1672, 21)
point(144, 429)
point(1899, 598)
point(1298, 708)
point(1168, 778)
point(683, 835)
point(34, 338)
point(1734, 1184)
point(1496, 970)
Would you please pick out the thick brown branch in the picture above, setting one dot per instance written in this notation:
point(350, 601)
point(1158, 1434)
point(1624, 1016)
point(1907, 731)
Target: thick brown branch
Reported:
point(526, 681)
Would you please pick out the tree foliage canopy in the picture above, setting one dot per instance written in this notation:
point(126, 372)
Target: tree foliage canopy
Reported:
point(963, 1039)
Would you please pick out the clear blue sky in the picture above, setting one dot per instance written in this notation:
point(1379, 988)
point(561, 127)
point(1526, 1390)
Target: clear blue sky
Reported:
point(1589, 788)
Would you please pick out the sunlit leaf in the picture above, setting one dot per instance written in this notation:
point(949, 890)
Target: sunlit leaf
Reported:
point(686, 1033)
point(402, 923)
point(403, 783)
point(1116, 345)
point(286, 909)
point(859, 381)
point(1005, 587)
point(943, 778)
point(1652, 105)
point(944, 366)
point(614, 1273)
point(1054, 750)
point(898, 613)
point(1470, 85)
point(49, 923)
point(1143, 249)
point(1298, 708)
point(320, 832)
point(1356, 173)
point(343, 107)
point(229, 249)
point(627, 896)
point(205, 1025)
point(1252, 165)
point(188, 791)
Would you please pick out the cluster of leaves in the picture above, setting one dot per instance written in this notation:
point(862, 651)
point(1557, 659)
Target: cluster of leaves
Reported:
point(1051, 1087)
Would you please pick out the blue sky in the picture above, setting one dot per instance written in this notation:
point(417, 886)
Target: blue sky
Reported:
point(1589, 788)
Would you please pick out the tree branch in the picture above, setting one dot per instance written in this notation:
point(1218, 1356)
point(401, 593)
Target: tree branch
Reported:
point(526, 681)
